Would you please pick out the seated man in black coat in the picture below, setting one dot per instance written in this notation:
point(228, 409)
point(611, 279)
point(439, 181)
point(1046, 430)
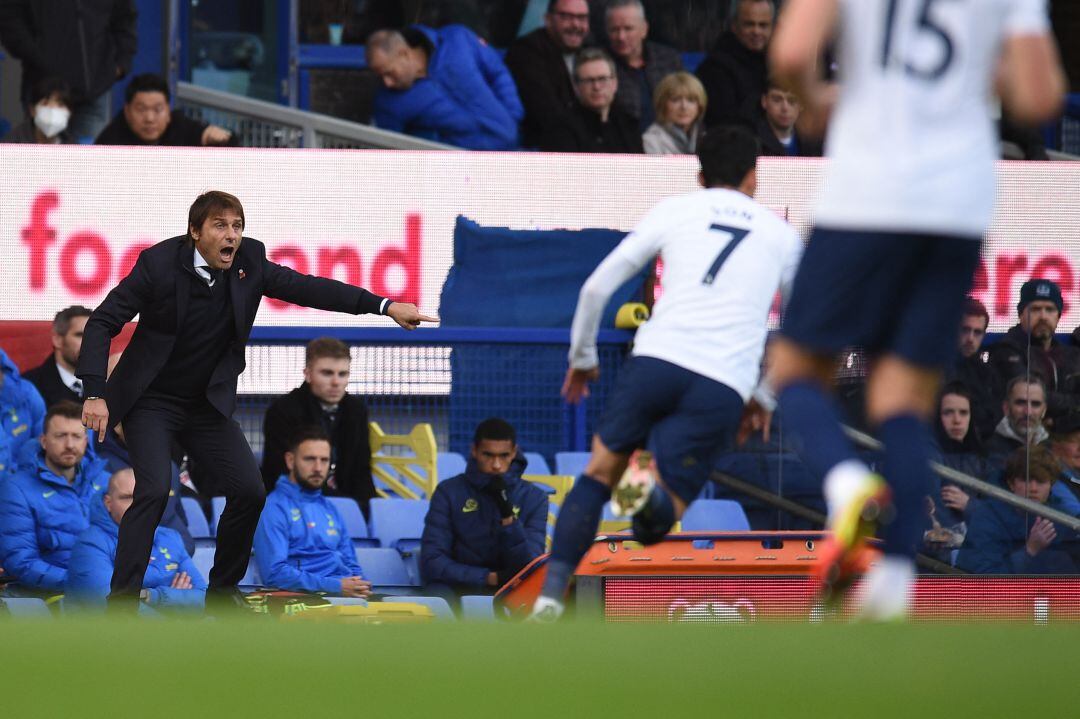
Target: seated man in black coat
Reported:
point(322, 401)
point(734, 72)
point(55, 378)
point(147, 120)
point(596, 124)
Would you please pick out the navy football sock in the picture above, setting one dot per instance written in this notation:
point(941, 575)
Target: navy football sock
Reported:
point(812, 417)
point(908, 447)
point(654, 520)
point(575, 529)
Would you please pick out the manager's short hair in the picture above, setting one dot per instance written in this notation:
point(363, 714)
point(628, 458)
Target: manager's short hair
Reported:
point(210, 202)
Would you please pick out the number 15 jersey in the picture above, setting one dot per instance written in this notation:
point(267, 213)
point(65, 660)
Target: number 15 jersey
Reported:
point(912, 140)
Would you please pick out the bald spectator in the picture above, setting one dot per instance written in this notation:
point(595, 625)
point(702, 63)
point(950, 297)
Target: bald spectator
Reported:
point(444, 85)
point(542, 64)
point(640, 63)
point(596, 124)
point(55, 378)
point(734, 73)
point(172, 579)
point(973, 369)
point(147, 120)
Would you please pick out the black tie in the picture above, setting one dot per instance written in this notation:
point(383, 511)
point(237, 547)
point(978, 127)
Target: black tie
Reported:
point(215, 275)
point(76, 387)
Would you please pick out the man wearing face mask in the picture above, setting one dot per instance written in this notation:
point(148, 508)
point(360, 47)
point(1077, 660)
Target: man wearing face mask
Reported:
point(47, 116)
point(1039, 311)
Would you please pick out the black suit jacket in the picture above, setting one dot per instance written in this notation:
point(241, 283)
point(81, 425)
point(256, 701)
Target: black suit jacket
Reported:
point(543, 82)
point(299, 408)
point(47, 380)
point(157, 290)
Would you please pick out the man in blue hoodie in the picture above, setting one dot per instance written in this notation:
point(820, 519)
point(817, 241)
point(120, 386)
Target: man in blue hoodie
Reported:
point(22, 412)
point(445, 85)
point(45, 506)
point(301, 543)
point(484, 525)
point(171, 580)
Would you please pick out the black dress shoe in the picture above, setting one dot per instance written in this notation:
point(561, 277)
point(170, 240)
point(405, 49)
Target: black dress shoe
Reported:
point(226, 602)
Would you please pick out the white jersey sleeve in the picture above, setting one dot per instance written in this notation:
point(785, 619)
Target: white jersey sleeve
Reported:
point(1027, 17)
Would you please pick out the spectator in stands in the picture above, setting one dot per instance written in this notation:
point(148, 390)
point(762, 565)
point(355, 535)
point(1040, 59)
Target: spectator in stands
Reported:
point(301, 543)
point(484, 525)
point(639, 63)
point(171, 581)
point(960, 447)
point(444, 85)
point(680, 104)
point(147, 120)
point(776, 124)
point(1065, 444)
point(55, 377)
point(972, 367)
point(734, 72)
point(595, 124)
point(542, 64)
point(87, 45)
point(22, 413)
point(114, 452)
point(48, 111)
point(1024, 409)
point(1002, 539)
point(44, 508)
point(322, 401)
point(1033, 337)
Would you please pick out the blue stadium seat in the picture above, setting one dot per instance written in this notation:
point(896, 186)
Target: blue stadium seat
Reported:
point(449, 464)
point(439, 607)
point(204, 560)
point(535, 463)
point(23, 607)
point(251, 576)
point(383, 567)
point(395, 520)
point(196, 520)
point(571, 463)
point(355, 524)
point(715, 515)
point(477, 607)
point(217, 506)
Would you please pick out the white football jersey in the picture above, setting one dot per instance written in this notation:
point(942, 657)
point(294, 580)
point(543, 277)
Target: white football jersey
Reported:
point(912, 139)
point(725, 256)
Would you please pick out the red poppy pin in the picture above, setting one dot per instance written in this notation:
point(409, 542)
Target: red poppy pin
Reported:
point(241, 273)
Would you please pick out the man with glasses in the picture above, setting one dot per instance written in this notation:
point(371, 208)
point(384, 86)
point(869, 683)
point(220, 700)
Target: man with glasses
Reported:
point(542, 64)
point(595, 124)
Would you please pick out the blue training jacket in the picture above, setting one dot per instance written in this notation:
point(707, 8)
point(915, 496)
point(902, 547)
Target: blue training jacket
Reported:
point(301, 543)
point(22, 412)
point(464, 538)
point(996, 539)
point(468, 98)
point(41, 516)
point(90, 567)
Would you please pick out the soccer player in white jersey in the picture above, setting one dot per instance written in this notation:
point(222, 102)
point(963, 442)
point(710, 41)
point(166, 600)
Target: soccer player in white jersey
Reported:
point(694, 364)
point(908, 193)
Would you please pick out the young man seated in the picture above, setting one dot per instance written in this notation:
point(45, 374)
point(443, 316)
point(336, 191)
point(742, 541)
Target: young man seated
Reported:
point(301, 543)
point(1002, 539)
point(484, 525)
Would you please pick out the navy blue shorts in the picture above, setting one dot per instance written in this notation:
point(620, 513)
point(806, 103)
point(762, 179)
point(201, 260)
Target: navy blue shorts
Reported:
point(683, 417)
point(887, 292)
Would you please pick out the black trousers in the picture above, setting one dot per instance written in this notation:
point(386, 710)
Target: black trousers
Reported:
point(219, 445)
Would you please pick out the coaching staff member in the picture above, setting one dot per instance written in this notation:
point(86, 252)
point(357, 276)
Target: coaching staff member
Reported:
point(196, 296)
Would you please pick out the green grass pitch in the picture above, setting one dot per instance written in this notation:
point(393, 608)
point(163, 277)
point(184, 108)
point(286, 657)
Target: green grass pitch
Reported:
point(267, 668)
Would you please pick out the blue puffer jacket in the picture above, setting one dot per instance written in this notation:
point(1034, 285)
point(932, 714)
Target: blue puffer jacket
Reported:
point(464, 538)
point(301, 543)
point(90, 567)
point(41, 516)
point(468, 98)
point(996, 539)
point(22, 412)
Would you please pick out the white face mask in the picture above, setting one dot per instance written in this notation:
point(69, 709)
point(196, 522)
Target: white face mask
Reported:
point(51, 120)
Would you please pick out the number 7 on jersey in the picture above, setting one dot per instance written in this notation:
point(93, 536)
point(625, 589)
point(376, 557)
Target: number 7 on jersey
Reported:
point(738, 234)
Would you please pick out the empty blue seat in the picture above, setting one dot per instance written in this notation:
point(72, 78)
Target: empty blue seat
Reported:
point(196, 520)
point(536, 464)
point(477, 606)
point(355, 524)
point(217, 506)
point(204, 560)
point(449, 464)
point(383, 566)
point(398, 523)
point(571, 463)
point(27, 607)
point(715, 515)
point(439, 607)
